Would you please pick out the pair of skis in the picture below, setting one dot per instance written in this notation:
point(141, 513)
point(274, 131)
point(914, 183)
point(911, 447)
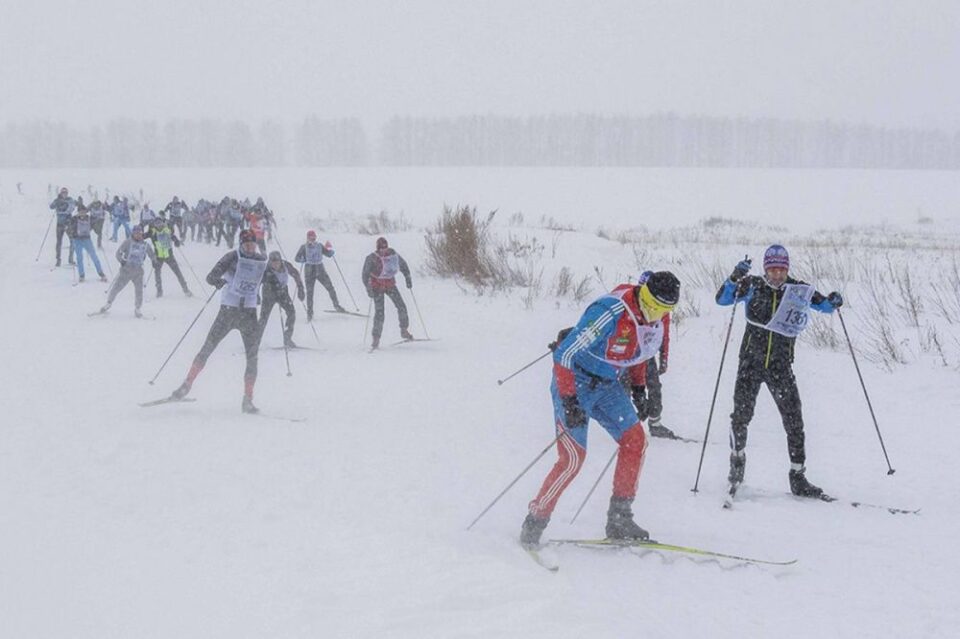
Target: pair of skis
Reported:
point(405, 341)
point(730, 500)
point(646, 544)
point(177, 400)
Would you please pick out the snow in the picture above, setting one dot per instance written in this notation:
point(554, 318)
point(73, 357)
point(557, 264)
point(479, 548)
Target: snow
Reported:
point(192, 520)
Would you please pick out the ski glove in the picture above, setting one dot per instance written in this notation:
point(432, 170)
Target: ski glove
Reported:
point(220, 284)
point(300, 294)
point(409, 283)
point(573, 413)
point(561, 335)
point(662, 369)
point(836, 299)
point(741, 269)
point(370, 293)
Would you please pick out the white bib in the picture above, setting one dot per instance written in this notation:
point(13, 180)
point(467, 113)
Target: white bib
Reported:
point(794, 311)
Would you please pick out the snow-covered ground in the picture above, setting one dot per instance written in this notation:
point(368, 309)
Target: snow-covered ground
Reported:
point(193, 520)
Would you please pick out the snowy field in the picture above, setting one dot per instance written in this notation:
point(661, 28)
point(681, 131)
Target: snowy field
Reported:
point(193, 520)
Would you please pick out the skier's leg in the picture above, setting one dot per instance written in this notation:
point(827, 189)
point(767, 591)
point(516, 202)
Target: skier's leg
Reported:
point(287, 305)
point(61, 229)
point(377, 316)
point(572, 450)
point(92, 251)
point(225, 321)
point(266, 307)
point(157, 278)
point(654, 391)
point(77, 248)
point(250, 332)
point(138, 289)
point(175, 267)
point(783, 387)
point(310, 275)
point(123, 277)
point(397, 299)
point(749, 378)
point(327, 284)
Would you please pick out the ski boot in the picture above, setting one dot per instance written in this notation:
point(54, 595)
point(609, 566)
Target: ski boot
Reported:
point(105, 308)
point(247, 405)
point(187, 292)
point(181, 391)
point(339, 308)
point(620, 524)
point(738, 464)
point(82, 279)
point(137, 313)
point(799, 485)
point(531, 531)
point(309, 316)
point(103, 278)
point(657, 429)
point(405, 334)
point(289, 343)
point(58, 261)
point(375, 344)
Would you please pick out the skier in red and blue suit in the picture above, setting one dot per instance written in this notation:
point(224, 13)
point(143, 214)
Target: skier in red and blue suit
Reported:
point(609, 346)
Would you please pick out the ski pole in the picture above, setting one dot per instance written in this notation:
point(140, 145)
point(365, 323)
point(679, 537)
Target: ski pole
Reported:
point(349, 292)
point(286, 350)
point(890, 469)
point(595, 484)
point(49, 224)
point(417, 306)
point(183, 254)
point(195, 319)
point(515, 373)
point(713, 402)
point(517, 478)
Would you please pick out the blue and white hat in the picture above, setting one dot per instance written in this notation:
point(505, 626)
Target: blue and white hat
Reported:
point(776, 257)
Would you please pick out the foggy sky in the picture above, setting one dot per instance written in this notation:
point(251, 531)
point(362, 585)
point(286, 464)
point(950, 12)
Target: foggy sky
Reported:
point(883, 63)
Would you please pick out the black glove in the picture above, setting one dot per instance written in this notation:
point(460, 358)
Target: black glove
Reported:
point(176, 242)
point(741, 269)
point(370, 293)
point(574, 415)
point(836, 299)
point(300, 294)
point(409, 283)
point(639, 396)
point(220, 284)
point(561, 335)
point(663, 365)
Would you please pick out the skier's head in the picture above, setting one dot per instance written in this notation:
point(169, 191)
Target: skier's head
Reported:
point(63, 190)
point(658, 295)
point(311, 236)
point(382, 245)
point(248, 241)
point(137, 232)
point(276, 260)
point(776, 264)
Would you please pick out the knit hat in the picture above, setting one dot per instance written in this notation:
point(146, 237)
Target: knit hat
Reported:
point(246, 235)
point(275, 255)
point(381, 243)
point(311, 234)
point(776, 257)
point(665, 287)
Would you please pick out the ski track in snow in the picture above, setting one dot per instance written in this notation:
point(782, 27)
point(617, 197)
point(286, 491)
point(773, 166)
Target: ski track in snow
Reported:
point(189, 520)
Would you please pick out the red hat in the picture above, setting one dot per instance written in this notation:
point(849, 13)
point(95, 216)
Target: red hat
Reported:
point(381, 242)
point(311, 233)
point(247, 235)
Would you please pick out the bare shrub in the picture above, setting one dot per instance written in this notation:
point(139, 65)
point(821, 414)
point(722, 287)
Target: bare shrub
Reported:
point(563, 282)
point(582, 290)
point(516, 219)
point(458, 246)
point(382, 223)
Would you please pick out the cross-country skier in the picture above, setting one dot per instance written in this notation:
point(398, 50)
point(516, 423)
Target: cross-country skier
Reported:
point(131, 256)
point(120, 216)
point(79, 230)
point(174, 212)
point(649, 398)
point(776, 309)
point(98, 213)
point(238, 275)
point(379, 278)
point(256, 224)
point(164, 239)
point(615, 336)
point(63, 206)
point(278, 273)
point(311, 256)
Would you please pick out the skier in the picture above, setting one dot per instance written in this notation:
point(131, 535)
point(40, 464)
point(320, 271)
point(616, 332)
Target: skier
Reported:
point(311, 255)
point(79, 230)
point(275, 291)
point(97, 214)
point(174, 211)
point(776, 310)
point(615, 336)
point(238, 274)
point(379, 278)
point(648, 399)
point(256, 224)
point(164, 240)
point(147, 215)
point(64, 206)
point(120, 216)
point(131, 255)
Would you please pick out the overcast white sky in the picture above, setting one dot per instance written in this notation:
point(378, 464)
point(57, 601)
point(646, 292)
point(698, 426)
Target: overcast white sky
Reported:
point(879, 62)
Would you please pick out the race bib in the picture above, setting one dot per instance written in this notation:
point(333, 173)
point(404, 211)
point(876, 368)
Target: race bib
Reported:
point(794, 311)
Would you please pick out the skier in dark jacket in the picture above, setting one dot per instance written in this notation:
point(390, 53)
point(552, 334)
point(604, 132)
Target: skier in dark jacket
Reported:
point(275, 279)
point(311, 256)
point(238, 275)
point(163, 238)
point(379, 278)
point(79, 229)
point(63, 206)
point(777, 311)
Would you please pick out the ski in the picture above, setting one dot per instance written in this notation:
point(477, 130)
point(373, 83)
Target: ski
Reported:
point(534, 553)
point(860, 504)
point(167, 400)
point(415, 339)
point(293, 348)
point(677, 438)
point(347, 313)
point(100, 313)
point(656, 545)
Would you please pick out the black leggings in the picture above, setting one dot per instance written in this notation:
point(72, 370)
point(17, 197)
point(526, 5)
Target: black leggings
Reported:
point(229, 318)
point(783, 387)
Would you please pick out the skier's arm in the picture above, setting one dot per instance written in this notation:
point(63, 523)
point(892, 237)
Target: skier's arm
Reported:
point(215, 276)
point(328, 249)
point(665, 344)
point(826, 304)
point(597, 322)
point(151, 254)
point(301, 255)
point(123, 251)
point(734, 292)
point(368, 265)
point(295, 274)
point(406, 271)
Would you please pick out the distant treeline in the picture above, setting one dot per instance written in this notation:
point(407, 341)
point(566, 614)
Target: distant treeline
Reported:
point(564, 140)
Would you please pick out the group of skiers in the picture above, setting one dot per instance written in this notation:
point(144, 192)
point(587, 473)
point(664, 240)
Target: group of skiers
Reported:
point(605, 368)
